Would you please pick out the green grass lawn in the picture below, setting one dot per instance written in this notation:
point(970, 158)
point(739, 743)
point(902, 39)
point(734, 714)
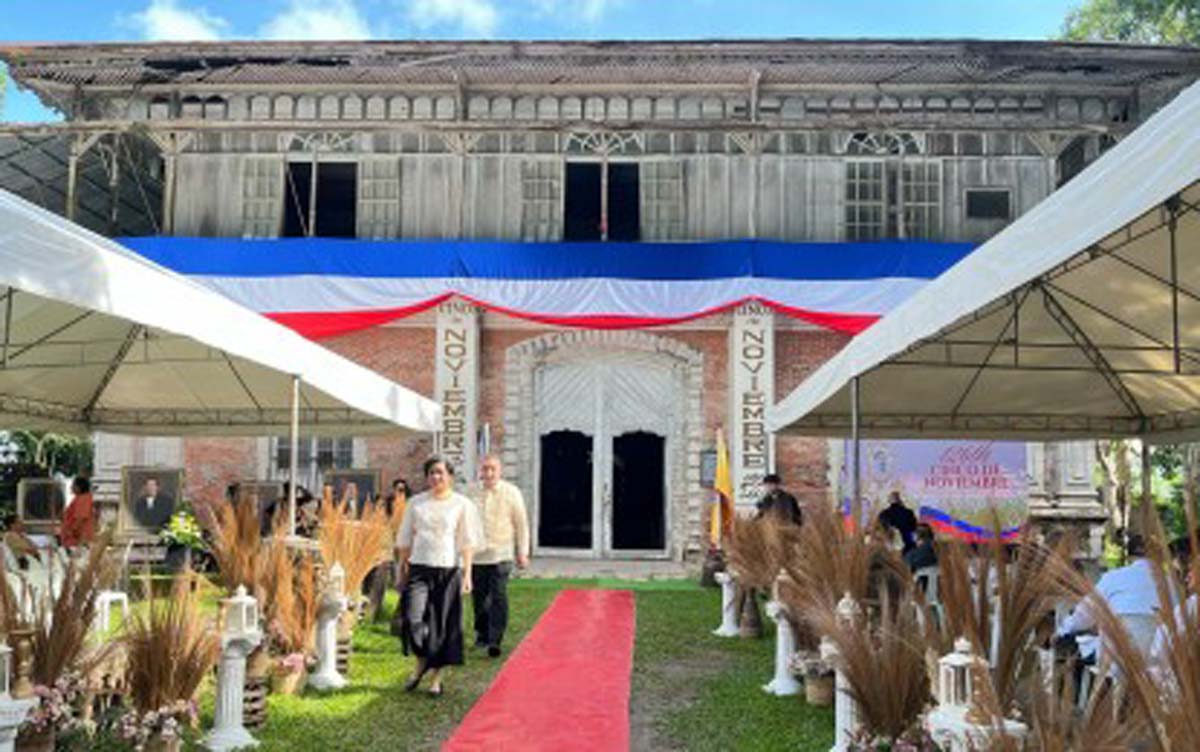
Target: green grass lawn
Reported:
point(691, 691)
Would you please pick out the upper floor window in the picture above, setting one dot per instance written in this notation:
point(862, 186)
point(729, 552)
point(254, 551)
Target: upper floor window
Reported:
point(893, 199)
point(321, 205)
point(602, 201)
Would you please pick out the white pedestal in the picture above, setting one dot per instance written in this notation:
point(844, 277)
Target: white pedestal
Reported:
point(326, 675)
point(12, 715)
point(783, 683)
point(229, 732)
point(952, 731)
point(845, 709)
point(729, 619)
point(105, 600)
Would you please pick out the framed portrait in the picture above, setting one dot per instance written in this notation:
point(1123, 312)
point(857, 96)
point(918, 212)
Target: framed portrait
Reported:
point(264, 494)
point(40, 504)
point(149, 496)
point(367, 484)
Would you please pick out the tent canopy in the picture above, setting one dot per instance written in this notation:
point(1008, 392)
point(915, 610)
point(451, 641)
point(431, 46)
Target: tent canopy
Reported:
point(95, 337)
point(1080, 319)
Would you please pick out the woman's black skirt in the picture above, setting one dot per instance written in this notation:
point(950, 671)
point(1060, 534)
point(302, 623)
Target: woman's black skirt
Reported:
point(432, 607)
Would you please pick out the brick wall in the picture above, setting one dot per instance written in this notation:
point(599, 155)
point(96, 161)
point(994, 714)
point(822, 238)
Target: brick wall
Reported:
point(406, 356)
point(210, 465)
point(802, 462)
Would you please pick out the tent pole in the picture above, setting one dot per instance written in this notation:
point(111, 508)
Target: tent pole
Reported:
point(856, 473)
point(293, 456)
point(1147, 508)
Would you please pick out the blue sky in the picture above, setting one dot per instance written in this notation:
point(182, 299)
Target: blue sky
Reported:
point(148, 20)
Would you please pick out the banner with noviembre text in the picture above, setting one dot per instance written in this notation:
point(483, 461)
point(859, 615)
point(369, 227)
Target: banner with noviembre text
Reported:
point(960, 488)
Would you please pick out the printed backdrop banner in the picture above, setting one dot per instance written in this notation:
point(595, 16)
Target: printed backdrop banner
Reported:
point(955, 486)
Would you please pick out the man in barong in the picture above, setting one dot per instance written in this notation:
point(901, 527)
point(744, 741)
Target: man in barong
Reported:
point(501, 509)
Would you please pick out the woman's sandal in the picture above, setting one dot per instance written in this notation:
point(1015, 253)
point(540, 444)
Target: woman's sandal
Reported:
point(413, 681)
point(436, 690)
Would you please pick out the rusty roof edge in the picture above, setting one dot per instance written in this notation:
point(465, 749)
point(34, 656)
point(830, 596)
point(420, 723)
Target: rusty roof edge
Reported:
point(19, 52)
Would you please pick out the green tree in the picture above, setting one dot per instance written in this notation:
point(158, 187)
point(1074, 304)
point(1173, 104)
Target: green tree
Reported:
point(1137, 21)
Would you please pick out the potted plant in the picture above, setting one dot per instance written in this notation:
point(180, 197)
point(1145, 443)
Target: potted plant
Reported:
point(359, 545)
point(914, 740)
point(291, 582)
point(54, 714)
point(161, 730)
point(182, 535)
point(49, 649)
point(161, 692)
point(818, 677)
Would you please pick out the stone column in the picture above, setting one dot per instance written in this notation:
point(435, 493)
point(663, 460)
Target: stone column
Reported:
point(751, 391)
point(329, 612)
point(228, 732)
point(729, 615)
point(457, 384)
point(12, 715)
point(846, 714)
point(783, 683)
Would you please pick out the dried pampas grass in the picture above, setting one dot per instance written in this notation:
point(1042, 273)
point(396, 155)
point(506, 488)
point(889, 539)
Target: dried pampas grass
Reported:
point(883, 660)
point(827, 561)
point(290, 608)
point(61, 625)
point(170, 648)
point(756, 550)
point(237, 546)
point(359, 545)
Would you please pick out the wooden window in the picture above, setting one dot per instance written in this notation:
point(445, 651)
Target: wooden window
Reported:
point(663, 205)
point(379, 198)
point(262, 197)
point(541, 200)
point(893, 199)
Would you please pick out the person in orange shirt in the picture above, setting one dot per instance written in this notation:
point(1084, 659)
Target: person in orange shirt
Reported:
point(79, 521)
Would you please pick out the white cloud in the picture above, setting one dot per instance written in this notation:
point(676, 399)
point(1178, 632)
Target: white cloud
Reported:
point(167, 21)
point(475, 17)
point(589, 11)
point(318, 19)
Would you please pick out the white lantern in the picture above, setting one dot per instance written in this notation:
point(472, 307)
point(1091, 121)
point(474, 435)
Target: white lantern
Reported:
point(337, 579)
point(5, 670)
point(241, 613)
point(955, 680)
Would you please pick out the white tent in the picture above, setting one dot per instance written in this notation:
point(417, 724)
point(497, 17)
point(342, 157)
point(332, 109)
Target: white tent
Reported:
point(1081, 319)
point(95, 337)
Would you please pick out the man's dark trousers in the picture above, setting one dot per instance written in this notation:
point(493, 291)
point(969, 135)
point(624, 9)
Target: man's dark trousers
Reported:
point(489, 595)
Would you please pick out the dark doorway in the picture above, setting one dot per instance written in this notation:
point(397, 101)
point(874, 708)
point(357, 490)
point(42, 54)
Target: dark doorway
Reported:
point(624, 203)
point(581, 209)
point(565, 498)
point(337, 200)
point(583, 218)
point(639, 498)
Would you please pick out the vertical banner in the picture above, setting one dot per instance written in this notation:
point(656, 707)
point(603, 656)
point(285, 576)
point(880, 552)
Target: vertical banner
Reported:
point(751, 391)
point(457, 384)
point(960, 488)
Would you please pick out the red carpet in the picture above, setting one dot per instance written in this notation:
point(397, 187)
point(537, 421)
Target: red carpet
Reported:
point(566, 687)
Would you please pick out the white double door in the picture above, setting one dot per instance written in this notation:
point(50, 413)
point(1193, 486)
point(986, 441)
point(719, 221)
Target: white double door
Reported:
point(603, 427)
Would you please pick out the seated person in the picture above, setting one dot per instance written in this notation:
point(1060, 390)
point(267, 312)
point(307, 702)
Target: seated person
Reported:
point(1129, 591)
point(923, 554)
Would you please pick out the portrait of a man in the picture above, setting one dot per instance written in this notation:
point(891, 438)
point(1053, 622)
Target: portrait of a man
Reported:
point(40, 503)
point(366, 485)
point(149, 498)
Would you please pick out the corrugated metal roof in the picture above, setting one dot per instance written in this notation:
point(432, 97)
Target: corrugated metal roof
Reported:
point(588, 63)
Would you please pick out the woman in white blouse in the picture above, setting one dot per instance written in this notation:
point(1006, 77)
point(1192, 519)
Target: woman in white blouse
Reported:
point(439, 528)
